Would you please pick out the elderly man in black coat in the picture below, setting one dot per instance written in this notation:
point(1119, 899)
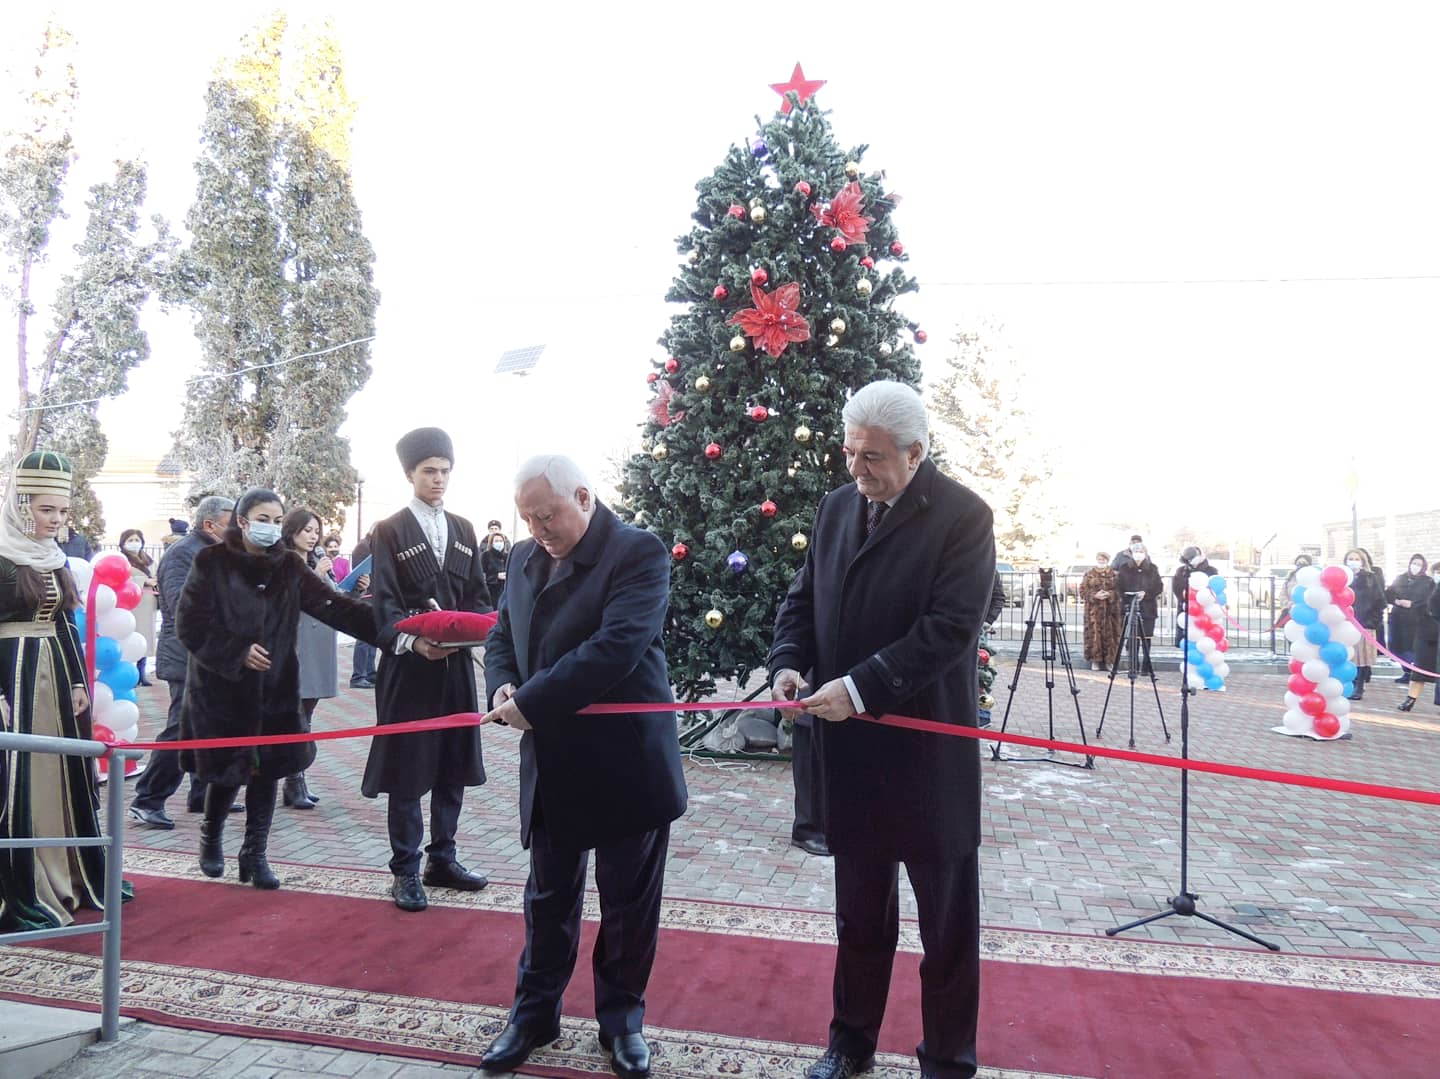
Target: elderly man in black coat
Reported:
point(581, 623)
point(884, 617)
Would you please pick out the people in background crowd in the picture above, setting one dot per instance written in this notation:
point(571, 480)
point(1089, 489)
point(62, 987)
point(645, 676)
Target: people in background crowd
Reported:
point(142, 575)
point(1194, 558)
point(75, 545)
point(1099, 591)
point(1369, 588)
point(339, 564)
point(1123, 555)
point(1407, 596)
point(316, 642)
point(1139, 574)
point(1425, 642)
point(492, 561)
point(362, 661)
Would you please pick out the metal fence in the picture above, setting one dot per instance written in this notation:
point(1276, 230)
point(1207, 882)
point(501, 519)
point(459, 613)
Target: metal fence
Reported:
point(115, 818)
point(1255, 603)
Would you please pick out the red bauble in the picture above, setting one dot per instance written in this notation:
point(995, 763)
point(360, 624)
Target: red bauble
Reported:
point(921, 336)
point(679, 551)
point(713, 451)
point(838, 244)
point(736, 210)
point(720, 292)
point(984, 657)
point(759, 413)
point(759, 276)
point(672, 365)
point(803, 188)
point(868, 262)
point(897, 248)
point(768, 508)
point(651, 377)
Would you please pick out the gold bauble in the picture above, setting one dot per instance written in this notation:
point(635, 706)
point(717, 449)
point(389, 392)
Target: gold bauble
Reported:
point(693, 257)
point(702, 385)
point(863, 286)
point(802, 433)
point(799, 541)
point(885, 349)
point(852, 169)
point(757, 214)
point(660, 452)
point(737, 343)
point(831, 340)
point(714, 618)
point(987, 702)
point(837, 325)
point(756, 201)
point(640, 519)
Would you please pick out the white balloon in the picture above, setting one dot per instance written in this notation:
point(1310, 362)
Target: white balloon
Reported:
point(1182, 619)
point(1346, 634)
point(1318, 596)
point(1344, 725)
point(1349, 575)
point(128, 734)
point(117, 623)
point(1200, 581)
point(104, 696)
point(1317, 670)
point(1297, 721)
point(1333, 615)
point(120, 715)
point(104, 599)
point(1294, 632)
point(1308, 576)
point(1206, 646)
point(1222, 668)
point(1304, 651)
point(1340, 708)
point(1292, 700)
point(1331, 690)
point(1194, 632)
point(81, 571)
point(134, 647)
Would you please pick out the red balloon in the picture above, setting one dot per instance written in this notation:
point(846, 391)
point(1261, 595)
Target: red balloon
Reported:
point(103, 733)
point(1222, 645)
point(1297, 666)
point(1326, 725)
point(1300, 685)
point(1195, 609)
point(1216, 633)
point(112, 570)
point(127, 596)
point(1312, 704)
point(1345, 597)
point(1203, 622)
point(1333, 578)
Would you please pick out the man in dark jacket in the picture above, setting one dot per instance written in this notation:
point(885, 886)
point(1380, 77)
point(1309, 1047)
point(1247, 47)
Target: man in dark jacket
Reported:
point(1193, 558)
point(581, 622)
point(864, 642)
point(424, 558)
point(162, 776)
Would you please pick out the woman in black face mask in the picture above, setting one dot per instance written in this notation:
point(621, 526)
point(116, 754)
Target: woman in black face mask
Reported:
point(239, 617)
point(1369, 589)
point(1407, 595)
point(493, 558)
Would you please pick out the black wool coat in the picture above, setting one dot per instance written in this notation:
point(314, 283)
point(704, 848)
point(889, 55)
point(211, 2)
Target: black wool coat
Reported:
point(1140, 577)
point(231, 600)
point(1369, 589)
point(170, 658)
point(584, 630)
point(1405, 621)
point(404, 577)
point(900, 612)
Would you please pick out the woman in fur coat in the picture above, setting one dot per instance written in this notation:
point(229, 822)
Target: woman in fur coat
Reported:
point(1099, 591)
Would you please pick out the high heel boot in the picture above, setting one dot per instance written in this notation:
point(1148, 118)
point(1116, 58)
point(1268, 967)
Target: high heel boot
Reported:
point(295, 796)
point(259, 810)
point(218, 799)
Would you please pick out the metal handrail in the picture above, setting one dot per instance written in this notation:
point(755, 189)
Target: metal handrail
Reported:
point(115, 814)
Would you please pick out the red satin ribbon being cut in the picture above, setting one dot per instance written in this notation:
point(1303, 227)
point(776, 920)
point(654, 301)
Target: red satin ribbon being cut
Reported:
point(928, 726)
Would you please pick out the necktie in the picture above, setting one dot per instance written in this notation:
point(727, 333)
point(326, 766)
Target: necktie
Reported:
point(874, 514)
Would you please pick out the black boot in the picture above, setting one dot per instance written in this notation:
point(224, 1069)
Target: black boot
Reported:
point(217, 808)
point(1360, 680)
point(305, 790)
point(259, 810)
point(295, 797)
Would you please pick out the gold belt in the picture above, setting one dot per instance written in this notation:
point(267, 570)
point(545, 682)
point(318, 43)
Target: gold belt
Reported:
point(27, 629)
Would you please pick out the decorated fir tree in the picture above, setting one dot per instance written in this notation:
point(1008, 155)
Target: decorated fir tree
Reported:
point(789, 282)
point(988, 669)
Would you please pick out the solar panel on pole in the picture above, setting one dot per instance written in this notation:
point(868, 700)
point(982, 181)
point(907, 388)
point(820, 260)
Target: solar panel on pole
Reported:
point(519, 361)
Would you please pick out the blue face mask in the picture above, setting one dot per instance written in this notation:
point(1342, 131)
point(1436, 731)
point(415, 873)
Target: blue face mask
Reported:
point(264, 533)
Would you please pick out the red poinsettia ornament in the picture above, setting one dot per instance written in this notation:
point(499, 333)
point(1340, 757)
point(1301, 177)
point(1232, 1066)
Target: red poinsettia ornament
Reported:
point(774, 321)
point(660, 407)
point(844, 214)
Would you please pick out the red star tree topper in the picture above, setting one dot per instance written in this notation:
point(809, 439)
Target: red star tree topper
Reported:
point(803, 87)
point(774, 321)
point(843, 213)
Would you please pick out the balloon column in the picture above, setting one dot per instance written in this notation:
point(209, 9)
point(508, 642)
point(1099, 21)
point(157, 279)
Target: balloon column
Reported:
point(1322, 642)
point(112, 647)
point(1204, 626)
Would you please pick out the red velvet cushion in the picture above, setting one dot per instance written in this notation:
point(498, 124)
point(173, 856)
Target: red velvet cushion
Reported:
point(446, 627)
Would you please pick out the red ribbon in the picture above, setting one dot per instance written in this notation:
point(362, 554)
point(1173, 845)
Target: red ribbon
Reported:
point(928, 726)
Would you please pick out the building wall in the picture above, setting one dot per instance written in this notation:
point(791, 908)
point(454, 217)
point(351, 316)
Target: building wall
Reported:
point(134, 493)
point(1391, 539)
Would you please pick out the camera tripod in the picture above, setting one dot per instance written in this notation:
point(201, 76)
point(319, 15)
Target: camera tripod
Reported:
point(1186, 902)
point(1132, 642)
point(1053, 646)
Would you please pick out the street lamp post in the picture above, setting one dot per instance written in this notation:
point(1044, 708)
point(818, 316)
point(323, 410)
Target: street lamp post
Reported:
point(359, 508)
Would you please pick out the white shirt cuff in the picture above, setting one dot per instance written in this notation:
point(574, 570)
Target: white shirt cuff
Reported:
point(855, 700)
point(404, 643)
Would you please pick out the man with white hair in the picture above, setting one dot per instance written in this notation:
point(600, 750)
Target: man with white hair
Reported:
point(884, 617)
point(581, 622)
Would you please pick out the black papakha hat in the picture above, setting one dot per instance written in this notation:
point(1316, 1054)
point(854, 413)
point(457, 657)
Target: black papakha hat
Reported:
point(422, 443)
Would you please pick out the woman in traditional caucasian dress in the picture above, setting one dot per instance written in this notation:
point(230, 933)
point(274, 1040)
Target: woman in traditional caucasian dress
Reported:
point(42, 691)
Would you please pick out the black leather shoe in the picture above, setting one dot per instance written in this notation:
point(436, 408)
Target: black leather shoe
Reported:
point(149, 818)
point(835, 1065)
point(1405, 706)
point(407, 893)
point(629, 1054)
point(453, 875)
point(508, 1052)
point(816, 847)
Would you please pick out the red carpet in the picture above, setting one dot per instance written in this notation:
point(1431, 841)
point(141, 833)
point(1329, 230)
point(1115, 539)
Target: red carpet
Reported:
point(350, 958)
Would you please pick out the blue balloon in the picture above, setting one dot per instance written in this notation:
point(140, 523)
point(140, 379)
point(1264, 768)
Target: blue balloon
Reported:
point(1305, 614)
point(1214, 682)
point(1348, 688)
point(1297, 595)
point(127, 695)
point(1203, 670)
point(107, 654)
point(80, 624)
point(1317, 633)
point(122, 676)
point(1217, 585)
point(1334, 654)
point(1344, 672)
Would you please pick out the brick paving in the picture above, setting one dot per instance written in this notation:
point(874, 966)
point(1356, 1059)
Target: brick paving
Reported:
point(1065, 849)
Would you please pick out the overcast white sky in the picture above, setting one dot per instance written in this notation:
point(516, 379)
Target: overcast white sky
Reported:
point(1210, 230)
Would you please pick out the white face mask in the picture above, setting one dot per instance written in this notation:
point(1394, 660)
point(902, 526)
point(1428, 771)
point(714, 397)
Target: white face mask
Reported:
point(1354, 563)
point(1139, 556)
point(264, 533)
point(133, 545)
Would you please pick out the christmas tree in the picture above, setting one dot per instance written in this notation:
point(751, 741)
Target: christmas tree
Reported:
point(789, 278)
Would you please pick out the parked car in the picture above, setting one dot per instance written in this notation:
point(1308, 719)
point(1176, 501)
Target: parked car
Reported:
point(1014, 582)
point(1069, 584)
point(1258, 590)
